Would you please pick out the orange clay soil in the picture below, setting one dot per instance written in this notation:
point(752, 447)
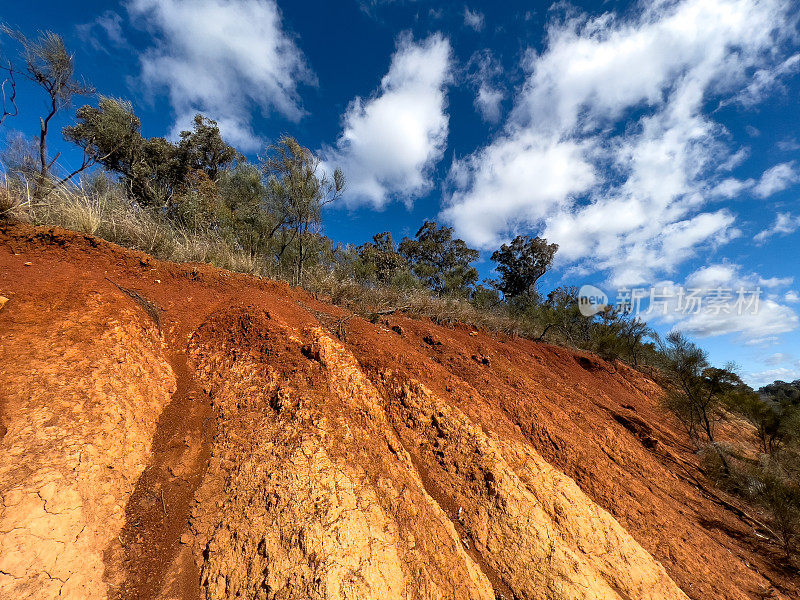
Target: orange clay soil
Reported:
point(178, 431)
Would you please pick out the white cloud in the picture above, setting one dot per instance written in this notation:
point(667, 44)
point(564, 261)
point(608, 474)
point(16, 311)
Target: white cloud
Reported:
point(777, 358)
point(713, 275)
point(105, 30)
point(528, 179)
point(762, 342)
point(735, 159)
point(608, 150)
point(488, 101)
point(761, 378)
point(222, 58)
point(473, 19)
point(391, 141)
point(777, 179)
point(483, 72)
point(731, 187)
point(771, 319)
point(729, 306)
point(785, 223)
point(789, 145)
point(763, 81)
point(773, 282)
point(791, 297)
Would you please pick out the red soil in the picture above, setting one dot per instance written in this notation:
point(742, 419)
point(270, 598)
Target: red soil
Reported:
point(597, 423)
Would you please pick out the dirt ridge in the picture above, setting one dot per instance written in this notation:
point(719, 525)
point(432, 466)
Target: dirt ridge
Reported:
point(246, 451)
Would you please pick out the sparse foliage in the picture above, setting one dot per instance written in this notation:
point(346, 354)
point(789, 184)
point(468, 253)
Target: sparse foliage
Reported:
point(52, 67)
point(699, 394)
point(381, 258)
point(155, 170)
point(203, 149)
point(8, 95)
point(110, 134)
point(780, 498)
point(19, 158)
point(485, 298)
point(297, 192)
point(774, 412)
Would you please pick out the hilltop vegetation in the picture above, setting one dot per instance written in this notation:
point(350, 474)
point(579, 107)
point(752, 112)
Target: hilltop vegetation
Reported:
point(199, 199)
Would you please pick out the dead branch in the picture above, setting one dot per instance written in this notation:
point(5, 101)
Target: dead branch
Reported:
point(149, 307)
point(12, 99)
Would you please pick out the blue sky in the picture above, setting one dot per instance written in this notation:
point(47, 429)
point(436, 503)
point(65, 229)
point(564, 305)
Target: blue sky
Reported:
point(658, 144)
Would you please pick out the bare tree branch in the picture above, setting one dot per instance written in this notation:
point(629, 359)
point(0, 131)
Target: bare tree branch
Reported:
point(12, 99)
point(88, 161)
point(50, 65)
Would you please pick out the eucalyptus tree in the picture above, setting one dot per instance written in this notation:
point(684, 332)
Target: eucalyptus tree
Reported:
point(297, 190)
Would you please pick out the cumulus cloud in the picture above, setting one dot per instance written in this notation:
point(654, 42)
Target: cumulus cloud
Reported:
point(488, 101)
point(223, 58)
point(731, 187)
point(785, 223)
point(761, 378)
point(775, 282)
point(608, 150)
point(517, 179)
point(775, 179)
point(391, 141)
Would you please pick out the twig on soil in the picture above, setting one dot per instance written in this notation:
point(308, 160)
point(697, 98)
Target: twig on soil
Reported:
point(163, 503)
point(149, 307)
point(375, 315)
point(341, 327)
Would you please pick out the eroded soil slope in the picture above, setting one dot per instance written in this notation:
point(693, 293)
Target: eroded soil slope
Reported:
point(176, 431)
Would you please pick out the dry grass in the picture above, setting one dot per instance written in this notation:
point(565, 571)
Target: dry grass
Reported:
point(108, 214)
point(372, 301)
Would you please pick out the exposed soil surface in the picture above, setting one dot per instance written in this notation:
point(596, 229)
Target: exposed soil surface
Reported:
point(178, 431)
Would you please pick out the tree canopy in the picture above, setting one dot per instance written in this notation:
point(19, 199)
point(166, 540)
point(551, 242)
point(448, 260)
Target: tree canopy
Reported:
point(441, 262)
point(521, 264)
point(381, 258)
point(298, 190)
point(153, 168)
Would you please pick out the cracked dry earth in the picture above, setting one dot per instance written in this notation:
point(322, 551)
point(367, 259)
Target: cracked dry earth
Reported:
point(238, 448)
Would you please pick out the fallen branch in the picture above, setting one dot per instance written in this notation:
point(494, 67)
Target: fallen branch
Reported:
point(375, 315)
point(149, 307)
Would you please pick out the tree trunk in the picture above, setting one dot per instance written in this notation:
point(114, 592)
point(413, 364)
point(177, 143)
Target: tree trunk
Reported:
point(44, 169)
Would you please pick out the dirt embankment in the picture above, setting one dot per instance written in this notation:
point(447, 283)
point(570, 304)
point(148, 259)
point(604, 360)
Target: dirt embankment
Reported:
point(175, 431)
